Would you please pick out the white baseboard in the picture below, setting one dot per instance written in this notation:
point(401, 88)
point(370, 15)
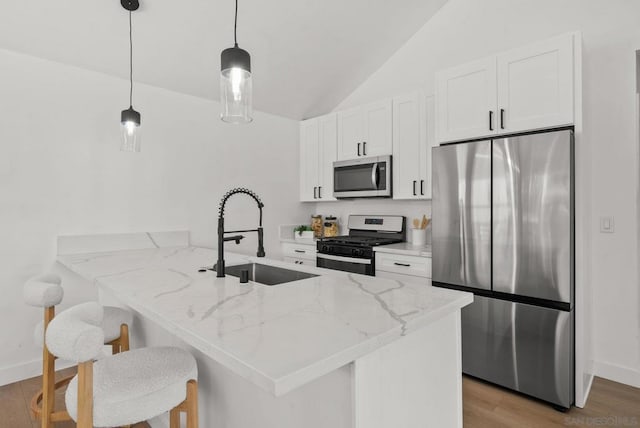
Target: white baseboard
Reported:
point(616, 373)
point(27, 370)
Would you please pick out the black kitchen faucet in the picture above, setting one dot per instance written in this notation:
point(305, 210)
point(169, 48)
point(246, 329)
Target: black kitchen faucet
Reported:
point(221, 232)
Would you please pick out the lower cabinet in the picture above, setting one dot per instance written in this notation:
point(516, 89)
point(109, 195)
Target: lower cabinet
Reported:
point(399, 266)
point(300, 254)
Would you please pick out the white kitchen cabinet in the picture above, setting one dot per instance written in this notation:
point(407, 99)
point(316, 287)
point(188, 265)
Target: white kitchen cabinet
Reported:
point(413, 137)
point(467, 100)
point(299, 253)
point(328, 127)
point(317, 154)
point(378, 136)
point(535, 85)
point(399, 264)
point(524, 89)
point(365, 131)
point(309, 165)
point(350, 133)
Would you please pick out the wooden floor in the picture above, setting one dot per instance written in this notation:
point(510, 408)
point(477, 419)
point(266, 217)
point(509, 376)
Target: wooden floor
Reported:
point(610, 404)
point(485, 406)
point(16, 398)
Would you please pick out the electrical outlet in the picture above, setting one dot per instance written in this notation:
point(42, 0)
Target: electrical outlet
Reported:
point(606, 225)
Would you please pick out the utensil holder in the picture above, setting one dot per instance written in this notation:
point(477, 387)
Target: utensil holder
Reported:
point(418, 237)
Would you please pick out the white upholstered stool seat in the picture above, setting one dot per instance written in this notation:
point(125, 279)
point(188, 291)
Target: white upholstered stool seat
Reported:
point(125, 388)
point(45, 291)
point(114, 317)
point(135, 386)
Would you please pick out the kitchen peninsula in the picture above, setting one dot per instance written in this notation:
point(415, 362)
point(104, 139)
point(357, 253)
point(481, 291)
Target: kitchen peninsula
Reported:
point(337, 350)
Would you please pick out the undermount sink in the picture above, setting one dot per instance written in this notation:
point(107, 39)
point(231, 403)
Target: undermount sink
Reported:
point(267, 275)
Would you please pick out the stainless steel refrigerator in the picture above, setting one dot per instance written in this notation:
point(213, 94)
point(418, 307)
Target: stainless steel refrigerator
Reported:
point(503, 228)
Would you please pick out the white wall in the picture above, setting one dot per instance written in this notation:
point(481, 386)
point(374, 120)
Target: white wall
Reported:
point(464, 30)
point(61, 172)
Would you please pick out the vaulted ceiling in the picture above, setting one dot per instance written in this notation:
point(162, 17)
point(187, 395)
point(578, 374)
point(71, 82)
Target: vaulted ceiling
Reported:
point(307, 55)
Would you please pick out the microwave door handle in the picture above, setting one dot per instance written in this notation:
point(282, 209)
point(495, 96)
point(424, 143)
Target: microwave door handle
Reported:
point(374, 176)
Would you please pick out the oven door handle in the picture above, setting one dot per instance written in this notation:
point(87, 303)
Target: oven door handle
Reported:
point(375, 177)
point(344, 259)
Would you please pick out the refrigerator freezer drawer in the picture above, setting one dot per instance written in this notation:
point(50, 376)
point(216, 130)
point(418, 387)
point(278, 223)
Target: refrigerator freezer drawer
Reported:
point(523, 347)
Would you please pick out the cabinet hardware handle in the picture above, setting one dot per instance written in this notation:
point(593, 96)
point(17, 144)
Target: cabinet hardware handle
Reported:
point(490, 120)
point(414, 187)
point(358, 149)
point(402, 264)
point(422, 187)
point(315, 189)
point(364, 148)
point(319, 190)
point(501, 118)
point(300, 251)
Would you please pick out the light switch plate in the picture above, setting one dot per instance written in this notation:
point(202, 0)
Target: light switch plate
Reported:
point(606, 225)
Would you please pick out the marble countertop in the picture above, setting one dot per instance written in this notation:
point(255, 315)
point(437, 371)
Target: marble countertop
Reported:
point(278, 337)
point(406, 249)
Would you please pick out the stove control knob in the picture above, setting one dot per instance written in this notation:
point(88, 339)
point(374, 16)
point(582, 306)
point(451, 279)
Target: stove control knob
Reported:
point(324, 248)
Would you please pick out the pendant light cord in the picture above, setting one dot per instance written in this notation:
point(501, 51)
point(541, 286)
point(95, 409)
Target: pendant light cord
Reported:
point(235, 27)
point(130, 62)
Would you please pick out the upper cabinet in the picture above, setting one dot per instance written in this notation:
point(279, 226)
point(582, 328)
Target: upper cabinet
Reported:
point(318, 139)
point(413, 137)
point(524, 89)
point(365, 131)
point(535, 85)
point(467, 100)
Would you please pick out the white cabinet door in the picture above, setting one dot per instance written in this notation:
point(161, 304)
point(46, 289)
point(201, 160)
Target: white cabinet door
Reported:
point(350, 133)
point(378, 136)
point(309, 153)
point(328, 151)
point(408, 136)
point(413, 137)
point(426, 145)
point(466, 101)
point(535, 85)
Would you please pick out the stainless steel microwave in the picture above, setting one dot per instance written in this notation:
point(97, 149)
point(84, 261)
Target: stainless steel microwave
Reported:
point(362, 178)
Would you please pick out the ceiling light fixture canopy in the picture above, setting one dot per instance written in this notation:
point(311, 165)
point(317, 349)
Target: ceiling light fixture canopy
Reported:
point(130, 119)
point(235, 82)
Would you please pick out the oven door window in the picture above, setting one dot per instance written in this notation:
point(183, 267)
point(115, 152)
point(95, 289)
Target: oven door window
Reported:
point(363, 269)
point(355, 178)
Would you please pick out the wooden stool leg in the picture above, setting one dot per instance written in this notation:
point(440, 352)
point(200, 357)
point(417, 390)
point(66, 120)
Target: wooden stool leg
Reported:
point(48, 375)
point(85, 395)
point(174, 418)
point(124, 338)
point(192, 404)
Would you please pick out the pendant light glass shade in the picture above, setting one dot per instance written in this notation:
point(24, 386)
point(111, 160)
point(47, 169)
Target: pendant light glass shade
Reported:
point(235, 86)
point(130, 123)
point(130, 119)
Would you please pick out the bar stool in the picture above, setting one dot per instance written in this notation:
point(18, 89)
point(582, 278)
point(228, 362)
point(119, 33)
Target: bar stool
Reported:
point(126, 388)
point(46, 292)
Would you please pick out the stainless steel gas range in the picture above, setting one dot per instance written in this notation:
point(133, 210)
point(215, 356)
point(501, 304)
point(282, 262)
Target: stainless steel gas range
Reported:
point(354, 252)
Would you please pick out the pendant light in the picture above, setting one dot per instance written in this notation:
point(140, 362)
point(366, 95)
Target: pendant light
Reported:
point(235, 82)
point(130, 119)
